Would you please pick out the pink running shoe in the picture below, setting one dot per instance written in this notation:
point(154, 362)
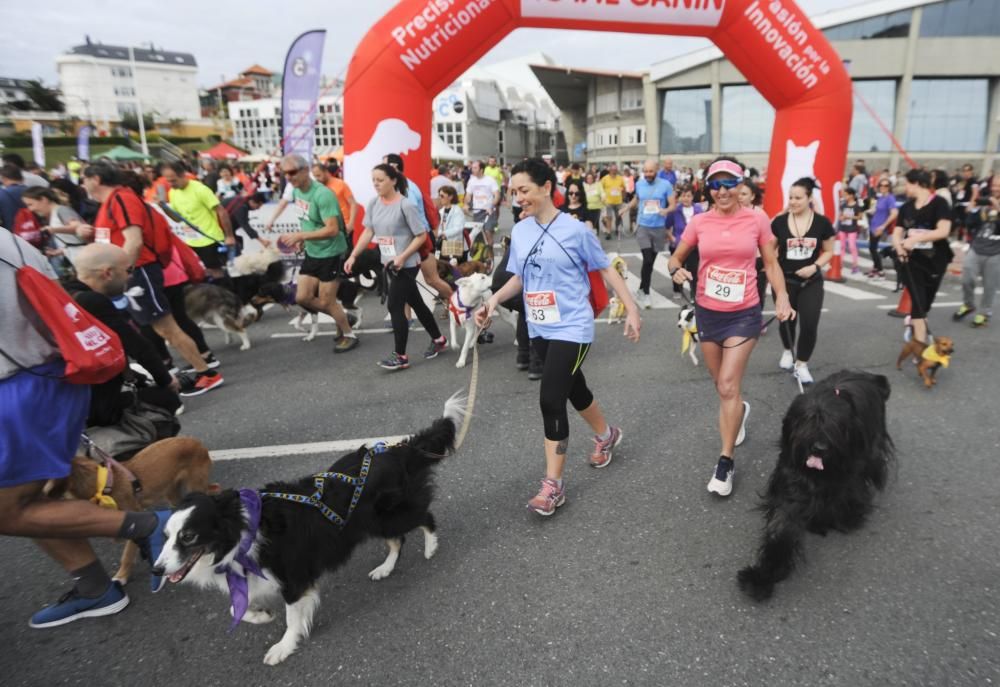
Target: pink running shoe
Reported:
point(601, 456)
point(549, 497)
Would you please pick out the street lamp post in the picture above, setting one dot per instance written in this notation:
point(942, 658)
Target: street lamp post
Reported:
point(138, 102)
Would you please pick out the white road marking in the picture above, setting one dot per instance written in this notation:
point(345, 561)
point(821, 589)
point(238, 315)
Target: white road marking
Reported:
point(337, 446)
point(953, 304)
point(850, 292)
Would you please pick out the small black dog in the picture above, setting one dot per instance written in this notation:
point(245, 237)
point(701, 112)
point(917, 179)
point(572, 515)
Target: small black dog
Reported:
point(835, 452)
point(275, 545)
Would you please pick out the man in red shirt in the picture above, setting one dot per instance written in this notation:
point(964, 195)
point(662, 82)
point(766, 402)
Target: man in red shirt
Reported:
point(124, 220)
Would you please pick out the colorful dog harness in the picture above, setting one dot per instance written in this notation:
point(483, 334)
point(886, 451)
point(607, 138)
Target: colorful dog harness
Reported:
point(106, 475)
point(930, 354)
point(319, 480)
point(459, 310)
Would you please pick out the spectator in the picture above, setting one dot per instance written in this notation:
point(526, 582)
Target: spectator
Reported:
point(595, 202)
point(848, 226)
point(667, 172)
point(227, 187)
point(12, 181)
point(452, 225)
point(29, 178)
point(61, 222)
point(883, 219)
point(983, 258)
point(35, 449)
point(575, 205)
point(209, 174)
point(438, 182)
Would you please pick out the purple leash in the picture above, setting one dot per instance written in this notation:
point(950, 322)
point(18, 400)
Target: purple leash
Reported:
point(239, 591)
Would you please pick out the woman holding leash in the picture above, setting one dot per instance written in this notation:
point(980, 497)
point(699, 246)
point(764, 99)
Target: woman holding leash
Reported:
point(550, 257)
point(394, 224)
point(921, 242)
point(727, 306)
point(805, 246)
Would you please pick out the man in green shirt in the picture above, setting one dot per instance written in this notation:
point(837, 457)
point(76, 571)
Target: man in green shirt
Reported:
point(208, 230)
point(325, 244)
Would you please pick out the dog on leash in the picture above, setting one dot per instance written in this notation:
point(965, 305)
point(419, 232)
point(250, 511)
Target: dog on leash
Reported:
point(450, 272)
point(470, 293)
point(221, 307)
point(616, 306)
point(687, 324)
point(929, 357)
point(835, 454)
point(275, 544)
point(165, 471)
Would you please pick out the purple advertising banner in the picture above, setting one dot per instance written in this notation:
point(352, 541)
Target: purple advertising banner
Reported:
point(299, 93)
point(83, 143)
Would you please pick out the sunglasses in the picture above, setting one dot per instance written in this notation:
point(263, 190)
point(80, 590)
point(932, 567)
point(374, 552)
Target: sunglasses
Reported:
point(290, 172)
point(716, 184)
point(573, 193)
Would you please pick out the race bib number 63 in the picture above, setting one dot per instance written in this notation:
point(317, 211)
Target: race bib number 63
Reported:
point(542, 307)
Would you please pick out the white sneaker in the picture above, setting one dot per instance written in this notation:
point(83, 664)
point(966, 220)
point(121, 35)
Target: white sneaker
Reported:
point(787, 362)
point(742, 436)
point(722, 480)
point(802, 373)
point(642, 299)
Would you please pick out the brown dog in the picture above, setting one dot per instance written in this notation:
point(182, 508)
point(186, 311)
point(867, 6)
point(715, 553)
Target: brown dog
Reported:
point(166, 471)
point(928, 362)
point(447, 271)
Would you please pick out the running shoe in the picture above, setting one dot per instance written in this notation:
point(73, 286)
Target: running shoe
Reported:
point(200, 384)
point(787, 361)
point(802, 374)
point(210, 360)
point(548, 498)
point(523, 360)
point(601, 457)
point(345, 343)
point(962, 311)
point(980, 321)
point(742, 436)
point(436, 347)
point(71, 606)
point(395, 362)
point(722, 481)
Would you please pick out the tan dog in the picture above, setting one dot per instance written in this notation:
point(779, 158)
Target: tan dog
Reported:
point(166, 471)
point(616, 306)
point(929, 358)
point(447, 271)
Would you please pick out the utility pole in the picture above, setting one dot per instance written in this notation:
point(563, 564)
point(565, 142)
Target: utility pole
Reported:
point(138, 103)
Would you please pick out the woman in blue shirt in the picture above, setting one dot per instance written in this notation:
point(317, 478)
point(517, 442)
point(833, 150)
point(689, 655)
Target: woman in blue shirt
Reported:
point(883, 217)
point(550, 257)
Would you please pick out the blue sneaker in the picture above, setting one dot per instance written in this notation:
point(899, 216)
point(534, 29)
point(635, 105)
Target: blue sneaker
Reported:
point(152, 546)
point(73, 607)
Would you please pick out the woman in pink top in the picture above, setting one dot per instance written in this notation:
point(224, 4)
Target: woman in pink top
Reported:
point(727, 304)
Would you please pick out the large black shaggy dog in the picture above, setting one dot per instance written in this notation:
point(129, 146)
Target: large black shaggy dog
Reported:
point(264, 546)
point(835, 452)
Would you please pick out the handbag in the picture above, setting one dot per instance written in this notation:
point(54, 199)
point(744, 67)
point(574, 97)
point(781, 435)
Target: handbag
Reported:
point(93, 353)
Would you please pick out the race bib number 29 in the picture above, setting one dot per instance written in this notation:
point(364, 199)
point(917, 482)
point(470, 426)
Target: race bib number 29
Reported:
point(725, 285)
point(542, 307)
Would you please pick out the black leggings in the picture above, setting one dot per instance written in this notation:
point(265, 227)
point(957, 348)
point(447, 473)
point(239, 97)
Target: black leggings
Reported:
point(873, 250)
point(761, 281)
point(175, 296)
point(807, 301)
point(562, 379)
point(646, 273)
point(923, 279)
point(403, 290)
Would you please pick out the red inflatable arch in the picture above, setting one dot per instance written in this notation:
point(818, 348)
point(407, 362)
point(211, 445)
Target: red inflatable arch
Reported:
point(421, 46)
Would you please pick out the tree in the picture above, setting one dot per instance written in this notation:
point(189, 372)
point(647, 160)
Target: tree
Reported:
point(44, 98)
point(130, 122)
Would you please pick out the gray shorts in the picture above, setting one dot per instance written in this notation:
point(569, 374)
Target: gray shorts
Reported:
point(648, 237)
point(489, 220)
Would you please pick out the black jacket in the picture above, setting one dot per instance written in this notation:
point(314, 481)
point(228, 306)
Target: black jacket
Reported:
point(106, 401)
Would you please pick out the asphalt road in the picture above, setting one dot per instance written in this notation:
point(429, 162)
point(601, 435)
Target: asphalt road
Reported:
point(632, 582)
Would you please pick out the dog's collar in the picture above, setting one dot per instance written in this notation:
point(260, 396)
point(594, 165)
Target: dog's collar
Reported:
point(239, 590)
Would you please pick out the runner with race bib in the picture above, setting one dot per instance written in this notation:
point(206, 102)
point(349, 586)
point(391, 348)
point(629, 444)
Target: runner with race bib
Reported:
point(727, 304)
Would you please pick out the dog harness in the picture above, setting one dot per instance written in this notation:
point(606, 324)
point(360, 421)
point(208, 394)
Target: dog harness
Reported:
point(319, 480)
point(459, 310)
point(106, 475)
point(930, 354)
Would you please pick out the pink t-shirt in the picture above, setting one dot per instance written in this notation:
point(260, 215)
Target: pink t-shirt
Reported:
point(727, 249)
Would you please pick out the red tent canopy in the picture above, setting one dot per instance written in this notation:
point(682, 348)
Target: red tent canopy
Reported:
point(223, 151)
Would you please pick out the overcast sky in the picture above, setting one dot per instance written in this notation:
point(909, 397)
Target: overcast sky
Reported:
point(226, 36)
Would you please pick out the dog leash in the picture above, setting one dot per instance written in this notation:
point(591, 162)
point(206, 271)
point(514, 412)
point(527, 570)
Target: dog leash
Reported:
point(473, 385)
point(749, 338)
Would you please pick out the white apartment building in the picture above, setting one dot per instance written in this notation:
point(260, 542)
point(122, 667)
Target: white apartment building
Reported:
point(257, 125)
point(99, 83)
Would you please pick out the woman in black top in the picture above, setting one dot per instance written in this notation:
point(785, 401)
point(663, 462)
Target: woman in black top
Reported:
point(921, 242)
point(805, 246)
point(576, 202)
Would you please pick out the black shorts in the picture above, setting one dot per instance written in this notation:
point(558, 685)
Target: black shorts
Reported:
point(210, 255)
point(324, 269)
point(152, 303)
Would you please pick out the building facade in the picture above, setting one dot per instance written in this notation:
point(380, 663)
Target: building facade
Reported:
point(102, 83)
point(926, 73)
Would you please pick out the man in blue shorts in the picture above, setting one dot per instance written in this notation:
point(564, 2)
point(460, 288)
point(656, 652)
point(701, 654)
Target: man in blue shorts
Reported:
point(41, 419)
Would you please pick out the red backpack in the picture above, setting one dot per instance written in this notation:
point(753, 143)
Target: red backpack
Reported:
point(27, 226)
point(93, 353)
point(156, 233)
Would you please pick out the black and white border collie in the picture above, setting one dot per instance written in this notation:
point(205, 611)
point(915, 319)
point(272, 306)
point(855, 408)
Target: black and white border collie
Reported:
point(295, 543)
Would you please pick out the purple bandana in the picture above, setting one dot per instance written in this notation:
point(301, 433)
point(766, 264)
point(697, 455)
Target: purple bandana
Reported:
point(239, 592)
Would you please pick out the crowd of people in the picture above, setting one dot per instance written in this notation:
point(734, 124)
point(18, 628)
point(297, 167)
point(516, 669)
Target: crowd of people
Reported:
point(107, 238)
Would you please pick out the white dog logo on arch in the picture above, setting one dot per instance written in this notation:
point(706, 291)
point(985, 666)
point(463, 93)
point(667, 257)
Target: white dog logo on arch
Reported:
point(390, 136)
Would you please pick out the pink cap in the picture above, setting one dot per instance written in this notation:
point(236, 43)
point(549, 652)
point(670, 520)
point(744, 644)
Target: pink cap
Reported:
point(724, 166)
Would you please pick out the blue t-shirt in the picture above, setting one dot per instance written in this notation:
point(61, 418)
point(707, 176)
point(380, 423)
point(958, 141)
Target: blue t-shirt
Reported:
point(417, 198)
point(883, 208)
point(556, 286)
point(670, 176)
point(10, 203)
point(652, 198)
